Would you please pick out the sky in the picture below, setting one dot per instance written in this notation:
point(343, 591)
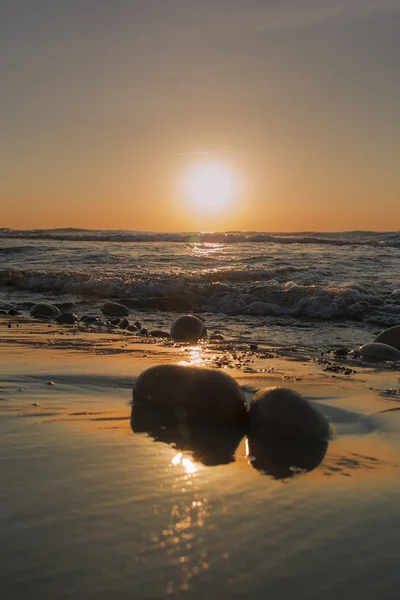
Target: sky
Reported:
point(104, 106)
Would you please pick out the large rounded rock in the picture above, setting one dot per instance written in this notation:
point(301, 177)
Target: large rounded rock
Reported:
point(188, 328)
point(283, 412)
point(378, 351)
point(113, 309)
point(192, 393)
point(66, 319)
point(48, 310)
point(390, 336)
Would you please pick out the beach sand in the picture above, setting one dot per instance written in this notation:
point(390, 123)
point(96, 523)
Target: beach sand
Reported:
point(93, 509)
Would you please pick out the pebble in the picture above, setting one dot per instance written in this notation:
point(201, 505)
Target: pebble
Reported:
point(379, 351)
point(47, 310)
point(66, 319)
point(188, 328)
point(114, 309)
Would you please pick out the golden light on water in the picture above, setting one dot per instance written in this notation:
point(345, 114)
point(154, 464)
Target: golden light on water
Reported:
point(189, 466)
point(210, 186)
point(194, 359)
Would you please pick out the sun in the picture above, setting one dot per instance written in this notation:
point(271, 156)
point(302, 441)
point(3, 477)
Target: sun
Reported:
point(210, 186)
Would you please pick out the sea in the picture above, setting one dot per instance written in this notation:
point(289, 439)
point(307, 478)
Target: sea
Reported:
point(307, 289)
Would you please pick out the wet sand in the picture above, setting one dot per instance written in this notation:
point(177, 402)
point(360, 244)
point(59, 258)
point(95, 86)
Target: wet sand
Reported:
point(94, 507)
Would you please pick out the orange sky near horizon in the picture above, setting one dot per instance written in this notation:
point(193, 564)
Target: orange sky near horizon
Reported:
point(103, 107)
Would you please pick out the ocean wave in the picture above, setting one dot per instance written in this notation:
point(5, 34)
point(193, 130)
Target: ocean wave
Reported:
point(374, 239)
point(237, 294)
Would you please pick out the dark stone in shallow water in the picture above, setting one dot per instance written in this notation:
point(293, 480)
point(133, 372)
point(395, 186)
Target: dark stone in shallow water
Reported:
point(123, 324)
point(283, 412)
point(66, 319)
point(196, 394)
point(88, 320)
point(340, 352)
point(131, 328)
point(390, 336)
point(113, 309)
point(3, 312)
point(379, 351)
point(188, 328)
point(137, 324)
point(49, 310)
point(13, 312)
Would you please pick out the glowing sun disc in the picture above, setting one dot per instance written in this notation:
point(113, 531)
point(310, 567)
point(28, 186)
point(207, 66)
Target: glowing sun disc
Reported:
point(210, 186)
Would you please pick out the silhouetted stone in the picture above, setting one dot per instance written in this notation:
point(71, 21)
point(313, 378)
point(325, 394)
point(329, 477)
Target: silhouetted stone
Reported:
point(187, 328)
point(113, 309)
point(49, 310)
point(390, 336)
point(197, 394)
point(123, 324)
point(66, 319)
point(379, 351)
point(283, 412)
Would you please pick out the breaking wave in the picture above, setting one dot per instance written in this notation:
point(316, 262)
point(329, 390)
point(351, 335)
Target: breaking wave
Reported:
point(234, 293)
point(355, 238)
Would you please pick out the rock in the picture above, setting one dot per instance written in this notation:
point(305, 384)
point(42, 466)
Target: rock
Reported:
point(283, 412)
point(253, 347)
point(216, 337)
point(88, 320)
point(188, 328)
point(143, 331)
point(340, 352)
point(13, 312)
point(378, 351)
point(202, 395)
point(48, 310)
point(3, 312)
point(41, 317)
point(137, 324)
point(116, 321)
point(97, 323)
point(113, 309)
point(131, 328)
point(123, 324)
point(390, 336)
point(66, 319)
point(159, 333)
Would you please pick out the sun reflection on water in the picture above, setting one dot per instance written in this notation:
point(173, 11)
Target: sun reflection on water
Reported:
point(189, 465)
point(195, 358)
